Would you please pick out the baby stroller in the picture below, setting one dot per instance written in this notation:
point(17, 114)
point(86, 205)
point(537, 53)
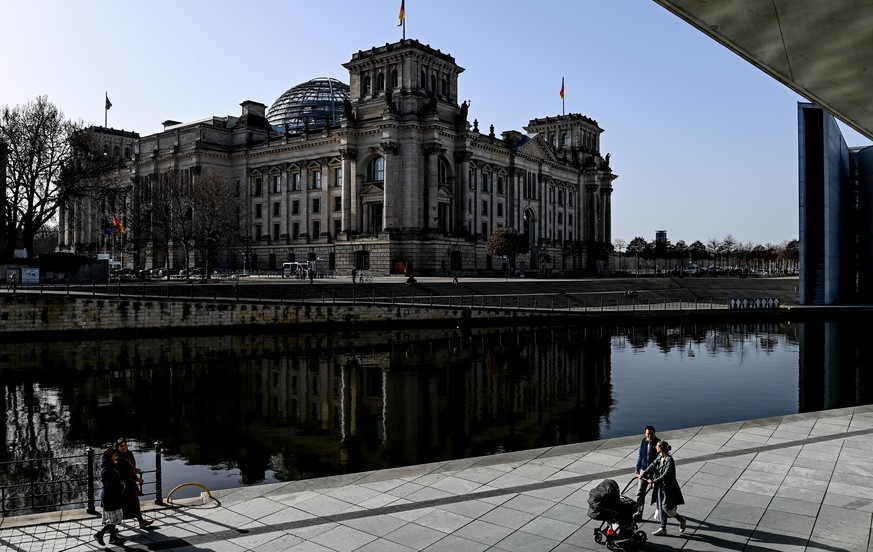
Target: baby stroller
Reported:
point(616, 512)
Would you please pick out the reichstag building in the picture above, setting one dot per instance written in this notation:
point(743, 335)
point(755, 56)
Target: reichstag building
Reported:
point(385, 173)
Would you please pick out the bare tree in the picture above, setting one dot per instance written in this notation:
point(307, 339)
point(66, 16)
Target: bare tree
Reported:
point(37, 136)
point(619, 245)
point(215, 218)
point(194, 214)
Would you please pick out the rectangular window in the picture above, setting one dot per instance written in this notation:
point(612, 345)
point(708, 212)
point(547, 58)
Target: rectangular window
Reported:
point(258, 232)
point(570, 218)
point(485, 182)
point(295, 182)
point(337, 203)
point(485, 230)
point(277, 209)
point(499, 209)
point(560, 218)
point(258, 183)
point(295, 207)
point(258, 213)
point(484, 207)
point(275, 231)
point(316, 205)
point(316, 180)
point(337, 227)
point(560, 197)
point(316, 228)
point(499, 184)
point(338, 176)
point(277, 183)
point(295, 231)
point(572, 199)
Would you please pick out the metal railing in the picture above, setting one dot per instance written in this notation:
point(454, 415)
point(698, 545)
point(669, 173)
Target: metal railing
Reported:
point(61, 482)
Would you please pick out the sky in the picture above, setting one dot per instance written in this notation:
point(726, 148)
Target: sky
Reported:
point(704, 144)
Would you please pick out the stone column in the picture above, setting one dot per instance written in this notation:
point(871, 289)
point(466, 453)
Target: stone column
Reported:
point(606, 190)
point(431, 214)
point(349, 190)
point(391, 152)
point(62, 226)
point(461, 191)
point(305, 200)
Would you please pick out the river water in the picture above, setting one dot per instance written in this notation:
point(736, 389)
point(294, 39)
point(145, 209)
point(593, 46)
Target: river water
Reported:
point(243, 410)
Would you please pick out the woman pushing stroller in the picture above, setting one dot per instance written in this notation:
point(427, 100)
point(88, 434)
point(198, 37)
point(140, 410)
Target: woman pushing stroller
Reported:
point(661, 474)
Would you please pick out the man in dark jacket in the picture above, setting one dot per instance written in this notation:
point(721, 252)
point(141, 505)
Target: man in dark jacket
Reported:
point(648, 454)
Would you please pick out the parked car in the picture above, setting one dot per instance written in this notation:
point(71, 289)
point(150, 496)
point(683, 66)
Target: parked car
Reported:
point(126, 273)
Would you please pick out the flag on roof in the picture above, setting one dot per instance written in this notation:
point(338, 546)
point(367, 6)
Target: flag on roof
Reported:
point(562, 88)
point(117, 224)
point(108, 103)
point(402, 15)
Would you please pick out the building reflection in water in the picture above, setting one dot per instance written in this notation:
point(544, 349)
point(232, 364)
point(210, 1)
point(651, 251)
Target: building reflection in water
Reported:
point(290, 407)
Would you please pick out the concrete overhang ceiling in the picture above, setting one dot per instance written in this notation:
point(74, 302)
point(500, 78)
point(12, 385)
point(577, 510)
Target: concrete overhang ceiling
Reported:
point(821, 49)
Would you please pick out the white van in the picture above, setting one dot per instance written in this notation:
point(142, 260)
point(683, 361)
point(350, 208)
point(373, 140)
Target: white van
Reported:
point(289, 270)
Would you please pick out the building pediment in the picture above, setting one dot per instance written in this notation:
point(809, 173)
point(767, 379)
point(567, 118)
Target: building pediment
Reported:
point(371, 190)
point(537, 148)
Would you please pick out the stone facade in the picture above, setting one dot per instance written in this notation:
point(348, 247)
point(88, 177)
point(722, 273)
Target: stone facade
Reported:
point(85, 222)
point(403, 182)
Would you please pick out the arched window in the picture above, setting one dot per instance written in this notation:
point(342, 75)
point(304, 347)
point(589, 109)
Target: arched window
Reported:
point(444, 87)
point(423, 79)
point(127, 153)
point(554, 140)
point(433, 83)
point(394, 80)
point(442, 171)
point(116, 151)
point(376, 170)
point(380, 82)
point(565, 139)
point(366, 87)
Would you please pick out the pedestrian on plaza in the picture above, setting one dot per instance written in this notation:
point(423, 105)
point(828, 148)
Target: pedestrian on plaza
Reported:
point(665, 491)
point(648, 454)
point(354, 274)
point(13, 281)
point(111, 497)
point(311, 275)
point(132, 477)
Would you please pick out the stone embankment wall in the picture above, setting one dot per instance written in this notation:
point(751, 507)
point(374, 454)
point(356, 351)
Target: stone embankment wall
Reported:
point(21, 312)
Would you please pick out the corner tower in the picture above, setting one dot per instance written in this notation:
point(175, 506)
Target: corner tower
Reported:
point(408, 77)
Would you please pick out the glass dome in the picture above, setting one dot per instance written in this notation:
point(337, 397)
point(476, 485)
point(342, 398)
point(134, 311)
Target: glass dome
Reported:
point(313, 103)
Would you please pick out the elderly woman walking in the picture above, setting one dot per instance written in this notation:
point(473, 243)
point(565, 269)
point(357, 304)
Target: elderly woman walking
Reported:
point(665, 491)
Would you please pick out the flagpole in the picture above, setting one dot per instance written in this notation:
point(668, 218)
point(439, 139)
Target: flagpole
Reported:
point(402, 16)
point(105, 110)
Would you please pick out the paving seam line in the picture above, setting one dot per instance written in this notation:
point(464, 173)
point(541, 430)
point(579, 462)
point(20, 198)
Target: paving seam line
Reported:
point(432, 503)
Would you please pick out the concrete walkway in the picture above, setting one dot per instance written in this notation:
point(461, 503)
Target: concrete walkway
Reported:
point(792, 483)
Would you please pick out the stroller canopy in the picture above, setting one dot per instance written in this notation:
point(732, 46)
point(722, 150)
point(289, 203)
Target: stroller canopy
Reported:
point(604, 501)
